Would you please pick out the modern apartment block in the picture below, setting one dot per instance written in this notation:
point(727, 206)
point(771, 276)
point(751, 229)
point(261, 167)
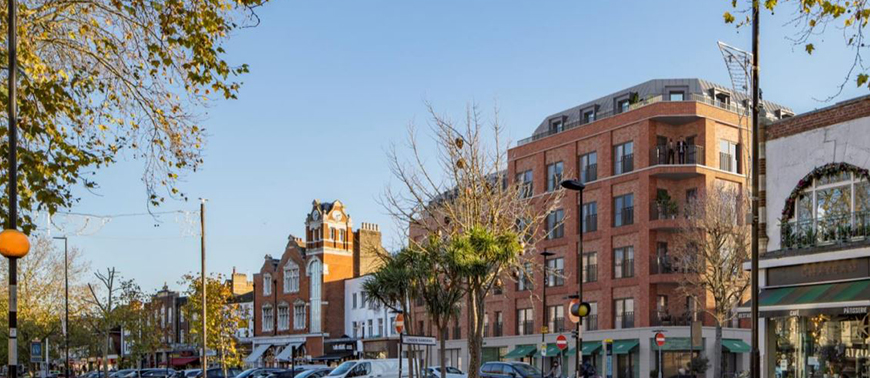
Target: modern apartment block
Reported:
point(299, 297)
point(642, 152)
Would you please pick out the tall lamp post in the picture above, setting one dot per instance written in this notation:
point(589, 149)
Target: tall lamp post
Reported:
point(65, 302)
point(13, 243)
point(545, 327)
point(578, 186)
point(755, 356)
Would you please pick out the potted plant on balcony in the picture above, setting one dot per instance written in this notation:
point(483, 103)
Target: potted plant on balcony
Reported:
point(665, 206)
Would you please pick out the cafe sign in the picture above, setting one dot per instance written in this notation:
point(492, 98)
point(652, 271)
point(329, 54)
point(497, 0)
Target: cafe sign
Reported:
point(824, 271)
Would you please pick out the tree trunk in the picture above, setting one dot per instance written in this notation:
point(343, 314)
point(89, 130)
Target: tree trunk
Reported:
point(476, 310)
point(442, 350)
point(717, 353)
point(408, 313)
point(106, 354)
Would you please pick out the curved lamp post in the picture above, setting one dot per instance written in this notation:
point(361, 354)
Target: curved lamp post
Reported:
point(578, 186)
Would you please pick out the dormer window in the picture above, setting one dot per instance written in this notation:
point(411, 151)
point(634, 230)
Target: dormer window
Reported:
point(622, 106)
point(677, 96)
point(556, 126)
point(589, 116)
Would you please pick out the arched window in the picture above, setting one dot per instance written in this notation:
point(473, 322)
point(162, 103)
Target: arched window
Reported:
point(283, 317)
point(830, 204)
point(267, 284)
point(315, 273)
point(268, 317)
point(291, 277)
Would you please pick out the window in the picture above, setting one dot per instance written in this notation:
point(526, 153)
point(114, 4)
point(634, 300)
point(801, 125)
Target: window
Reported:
point(524, 281)
point(624, 309)
point(590, 322)
point(181, 336)
point(623, 210)
point(589, 217)
point(623, 106)
point(525, 322)
point(332, 234)
point(588, 116)
point(363, 303)
point(499, 324)
point(380, 326)
point(556, 272)
point(589, 167)
point(524, 180)
point(181, 316)
point(691, 195)
point(556, 126)
point(163, 318)
point(831, 208)
point(663, 260)
point(729, 156)
point(291, 277)
point(555, 226)
point(354, 300)
point(554, 176)
point(623, 158)
point(623, 262)
point(556, 318)
point(677, 96)
point(267, 284)
point(341, 235)
point(283, 317)
point(268, 318)
point(590, 267)
point(371, 330)
point(662, 312)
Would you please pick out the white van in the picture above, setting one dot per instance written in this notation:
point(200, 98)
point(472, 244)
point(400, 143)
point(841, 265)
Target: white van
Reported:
point(386, 368)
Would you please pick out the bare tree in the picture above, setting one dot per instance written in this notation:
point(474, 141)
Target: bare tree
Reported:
point(104, 299)
point(711, 249)
point(465, 195)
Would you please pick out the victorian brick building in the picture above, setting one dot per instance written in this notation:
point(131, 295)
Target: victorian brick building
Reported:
point(642, 152)
point(299, 296)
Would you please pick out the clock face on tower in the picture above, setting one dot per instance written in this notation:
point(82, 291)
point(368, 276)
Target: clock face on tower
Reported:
point(315, 215)
point(336, 216)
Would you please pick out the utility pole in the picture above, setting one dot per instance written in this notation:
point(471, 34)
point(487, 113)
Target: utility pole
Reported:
point(66, 302)
point(204, 288)
point(12, 182)
point(755, 356)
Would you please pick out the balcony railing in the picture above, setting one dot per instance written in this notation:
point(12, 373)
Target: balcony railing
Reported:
point(624, 320)
point(590, 322)
point(662, 155)
point(498, 330)
point(602, 114)
point(662, 265)
point(557, 325)
point(590, 223)
point(625, 163)
point(526, 328)
point(663, 210)
point(827, 230)
point(589, 173)
point(626, 216)
point(590, 273)
point(665, 319)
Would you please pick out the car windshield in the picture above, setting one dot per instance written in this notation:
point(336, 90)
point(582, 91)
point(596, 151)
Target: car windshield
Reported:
point(526, 369)
point(246, 373)
point(453, 370)
point(343, 368)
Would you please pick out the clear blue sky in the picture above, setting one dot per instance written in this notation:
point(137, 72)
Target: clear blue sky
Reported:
point(332, 83)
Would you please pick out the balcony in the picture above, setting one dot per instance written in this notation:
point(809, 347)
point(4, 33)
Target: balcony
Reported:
point(662, 155)
point(590, 322)
point(624, 320)
point(665, 319)
point(525, 328)
point(603, 114)
point(835, 229)
point(663, 211)
point(662, 265)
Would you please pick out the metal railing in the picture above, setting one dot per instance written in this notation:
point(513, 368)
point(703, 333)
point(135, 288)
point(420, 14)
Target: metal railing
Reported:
point(663, 155)
point(526, 328)
point(589, 173)
point(557, 325)
point(590, 223)
point(663, 210)
point(827, 230)
point(603, 114)
point(498, 330)
point(590, 273)
point(665, 319)
point(590, 322)
point(625, 163)
point(624, 320)
point(661, 264)
point(626, 216)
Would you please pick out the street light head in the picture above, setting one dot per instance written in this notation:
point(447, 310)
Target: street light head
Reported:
point(573, 185)
point(547, 253)
point(14, 244)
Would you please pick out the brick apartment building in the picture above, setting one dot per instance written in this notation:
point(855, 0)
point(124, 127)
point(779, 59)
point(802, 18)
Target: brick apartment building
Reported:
point(299, 297)
point(620, 146)
point(177, 350)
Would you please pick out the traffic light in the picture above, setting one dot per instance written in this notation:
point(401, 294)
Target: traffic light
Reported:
point(574, 334)
point(580, 309)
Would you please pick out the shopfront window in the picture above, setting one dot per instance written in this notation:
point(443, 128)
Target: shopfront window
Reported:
point(821, 346)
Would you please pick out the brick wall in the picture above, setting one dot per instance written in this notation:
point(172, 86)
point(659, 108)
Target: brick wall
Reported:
point(837, 113)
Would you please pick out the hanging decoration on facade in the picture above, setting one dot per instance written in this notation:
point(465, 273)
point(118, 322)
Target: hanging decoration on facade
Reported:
point(817, 173)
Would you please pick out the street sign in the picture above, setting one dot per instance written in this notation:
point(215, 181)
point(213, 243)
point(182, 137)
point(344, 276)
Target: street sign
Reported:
point(562, 342)
point(36, 351)
point(660, 339)
point(400, 323)
point(543, 349)
point(697, 337)
point(418, 340)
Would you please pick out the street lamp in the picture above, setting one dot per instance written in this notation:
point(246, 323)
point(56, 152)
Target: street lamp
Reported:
point(578, 186)
point(13, 243)
point(545, 326)
point(65, 301)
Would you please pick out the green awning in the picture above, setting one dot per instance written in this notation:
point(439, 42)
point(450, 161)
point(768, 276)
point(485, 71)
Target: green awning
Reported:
point(676, 343)
point(552, 351)
point(736, 346)
point(624, 346)
point(590, 347)
point(841, 297)
point(521, 351)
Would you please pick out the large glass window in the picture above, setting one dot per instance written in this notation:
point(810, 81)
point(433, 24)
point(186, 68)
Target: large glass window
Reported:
point(623, 210)
point(589, 217)
point(623, 158)
point(624, 309)
point(554, 176)
point(291, 277)
point(556, 318)
point(820, 345)
point(832, 208)
point(589, 167)
point(524, 180)
point(525, 321)
point(524, 282)
point(623, 262)
point(555, 224)
point(555, 272)
point(283, 317)
point(590, 267)
point(729, 156)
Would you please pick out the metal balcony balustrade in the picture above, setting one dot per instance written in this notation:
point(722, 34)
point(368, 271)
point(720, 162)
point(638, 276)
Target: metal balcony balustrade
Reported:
point(590, 273)
point(833, 229)
point(624, 320)
point(662, 211)
point(661, 155)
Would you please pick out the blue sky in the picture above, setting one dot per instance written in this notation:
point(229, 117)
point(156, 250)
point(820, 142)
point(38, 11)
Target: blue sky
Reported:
point(333, 83)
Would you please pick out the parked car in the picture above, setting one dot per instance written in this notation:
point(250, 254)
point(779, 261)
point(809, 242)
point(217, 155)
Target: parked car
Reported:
point(123, 373)
point(452, 372)
point(157, 373)
point(257, 372)
point(314, 373)
point(386, 368)
point(218, 373)
point(509, 370)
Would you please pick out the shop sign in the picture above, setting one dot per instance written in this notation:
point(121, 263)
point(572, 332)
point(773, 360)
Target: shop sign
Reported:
point(858, 310)
point(823, 271)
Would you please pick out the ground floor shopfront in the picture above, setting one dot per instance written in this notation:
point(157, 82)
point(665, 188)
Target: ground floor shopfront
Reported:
point(634, 352)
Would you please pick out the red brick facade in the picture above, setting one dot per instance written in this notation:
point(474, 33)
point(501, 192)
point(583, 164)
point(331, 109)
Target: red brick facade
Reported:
point(837, 113)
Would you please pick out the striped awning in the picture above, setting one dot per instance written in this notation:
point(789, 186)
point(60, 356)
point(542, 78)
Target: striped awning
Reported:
point(851, 297)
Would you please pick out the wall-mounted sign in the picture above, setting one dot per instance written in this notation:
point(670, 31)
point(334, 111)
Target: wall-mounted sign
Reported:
point(823, 271)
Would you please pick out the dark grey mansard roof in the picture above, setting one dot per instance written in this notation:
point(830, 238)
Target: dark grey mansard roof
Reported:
point(657, 87)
